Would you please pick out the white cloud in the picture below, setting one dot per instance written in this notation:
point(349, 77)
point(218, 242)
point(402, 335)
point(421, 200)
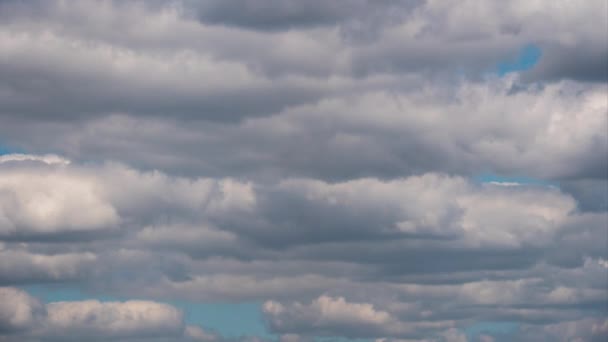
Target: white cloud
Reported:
point(47, 158)
point(438, 205)
point(92, 318)
point(61, 200)
point(19, 265)
point(337, 317)
point(18, 311)
point(23, 317)
point(37, 200)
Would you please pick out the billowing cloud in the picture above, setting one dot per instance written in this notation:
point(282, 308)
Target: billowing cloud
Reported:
point(48, 200)
point(589, 329)
point(334, 316)
point(23, 317)
point(55, 202)
point(18, 311)
point(91, 318)
point(21, 266)
point(420, 239)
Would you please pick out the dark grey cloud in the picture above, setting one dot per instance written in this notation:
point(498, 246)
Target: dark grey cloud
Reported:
point(587, 63)
point(591, 194)
point(93, 80)
point(57, 66)
point(380, 134)
point(276, 15)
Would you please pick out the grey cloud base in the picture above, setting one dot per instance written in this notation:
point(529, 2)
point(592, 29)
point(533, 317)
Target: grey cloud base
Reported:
point(363, 169)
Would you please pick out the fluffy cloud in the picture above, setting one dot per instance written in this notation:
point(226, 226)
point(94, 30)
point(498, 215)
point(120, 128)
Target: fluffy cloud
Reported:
point(18, 310)
point(92, 318)
point(44, 199)
point(55, 202)
point(22, 266)
point(430, 206)
point(453, 224)
point(590, 329)
point(23, 317)
point(335, 316)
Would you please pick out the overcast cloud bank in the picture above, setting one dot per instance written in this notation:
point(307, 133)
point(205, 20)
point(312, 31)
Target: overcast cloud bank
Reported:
point(379, 170)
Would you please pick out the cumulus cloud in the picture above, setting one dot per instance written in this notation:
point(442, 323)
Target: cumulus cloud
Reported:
point(589, 329)
point(91, 318)
point(48, 200)
point(430, 206)
point(23, 317)
point(52, 203)
point(20, 266)
point(434, 228)
point(335, 317)
point(18, 310)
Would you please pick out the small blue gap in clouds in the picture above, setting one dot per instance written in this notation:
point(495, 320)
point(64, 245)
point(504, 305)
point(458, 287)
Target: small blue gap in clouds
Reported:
point(341, 339)
point(229, 319)
point(490, 328)
point(528, 58)
point(8, 150)
point(490, 177)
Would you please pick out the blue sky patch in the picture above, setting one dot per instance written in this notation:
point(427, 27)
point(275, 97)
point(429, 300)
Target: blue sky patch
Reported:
point(528, 57)
point(491, 328)
point(7, 150)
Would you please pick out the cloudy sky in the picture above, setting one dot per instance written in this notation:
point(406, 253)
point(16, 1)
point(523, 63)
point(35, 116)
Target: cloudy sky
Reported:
point(304, 170)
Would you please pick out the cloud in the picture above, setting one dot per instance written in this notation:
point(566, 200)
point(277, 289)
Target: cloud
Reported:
point(428, 206)
point(87, 319)
point(591, 194)
point(198, 76)
point(373, 134)
point(47, 159)
point(314, 101)
point(590, 329)
point(23, 317)
point(18, 310)
point(20, 266)
point(337, 317)
point(323, 159)
point(166, 230)
point(47, 201)
point(274, 15)
point(32, 204)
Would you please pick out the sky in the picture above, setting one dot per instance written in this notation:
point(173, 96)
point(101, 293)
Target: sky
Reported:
point(304, 171)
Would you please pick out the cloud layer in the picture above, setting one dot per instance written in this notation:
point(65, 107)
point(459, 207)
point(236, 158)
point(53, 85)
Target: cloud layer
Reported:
point(366, 170)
